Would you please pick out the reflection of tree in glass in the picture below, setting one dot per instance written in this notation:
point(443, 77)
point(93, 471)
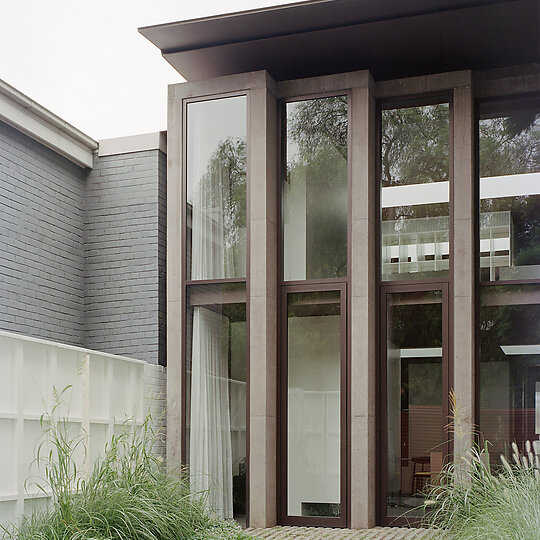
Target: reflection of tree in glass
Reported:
point(319, 129)
point(414, 145)
point(418, 327)
point(507, 325)
point(223, 189)
point(415, 150)
point(319, 123)
point(511, 145)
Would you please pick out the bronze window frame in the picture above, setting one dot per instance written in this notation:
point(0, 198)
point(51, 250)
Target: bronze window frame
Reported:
point(185, 283)
point(382, 287)
point(384, 291)
point(313, 285)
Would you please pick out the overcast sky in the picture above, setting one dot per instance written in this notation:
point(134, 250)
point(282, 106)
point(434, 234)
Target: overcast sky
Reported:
point(86, 62)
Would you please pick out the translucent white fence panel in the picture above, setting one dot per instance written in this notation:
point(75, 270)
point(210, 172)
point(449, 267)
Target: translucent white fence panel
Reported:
point(104, 391)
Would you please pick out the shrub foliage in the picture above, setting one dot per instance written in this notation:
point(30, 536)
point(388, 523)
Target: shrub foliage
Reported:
point(477, 500)
point(128, 495)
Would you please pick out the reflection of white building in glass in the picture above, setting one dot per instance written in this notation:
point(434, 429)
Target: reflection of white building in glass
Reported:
point(420, 245)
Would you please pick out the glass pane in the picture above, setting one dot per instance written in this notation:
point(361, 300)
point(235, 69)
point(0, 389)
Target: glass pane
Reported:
point(315, 190)
point(216, 188)
point(216, 396)
point(509, 144)
point(415, 418)
point(510, 367)
point(313, 398)
point(415, 193)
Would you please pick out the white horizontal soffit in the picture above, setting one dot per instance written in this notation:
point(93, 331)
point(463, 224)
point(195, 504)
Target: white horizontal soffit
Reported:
point(38, 123)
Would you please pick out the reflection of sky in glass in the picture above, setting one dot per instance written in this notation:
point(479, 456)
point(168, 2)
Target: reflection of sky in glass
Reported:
point(209, 124)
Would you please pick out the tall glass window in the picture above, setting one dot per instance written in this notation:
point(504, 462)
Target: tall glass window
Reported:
point(509, 331)
point(509, 145)
point(216, 396)
point(315, 188)
point(314, 358)
point(415, 187)
point(216, 189)
point(415, 415)
point(215, 321)
point(510, 366)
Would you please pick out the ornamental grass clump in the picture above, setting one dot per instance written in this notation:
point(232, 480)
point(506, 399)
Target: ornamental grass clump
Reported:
point(474, 500)
point(128, 495)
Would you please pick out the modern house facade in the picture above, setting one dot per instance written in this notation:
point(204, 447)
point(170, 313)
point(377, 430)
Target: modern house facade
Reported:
point(335, 245)
point(353, 194)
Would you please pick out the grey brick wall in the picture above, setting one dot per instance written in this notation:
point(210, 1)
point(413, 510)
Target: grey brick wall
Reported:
point(162, 256)
point(124, 253)
point(41, 240)
point(155, 392)
point(82, 253)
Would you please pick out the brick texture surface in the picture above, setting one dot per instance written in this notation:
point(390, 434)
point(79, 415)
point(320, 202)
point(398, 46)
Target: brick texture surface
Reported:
point(124, 255)
point(82, 252)
point(155, 392)
point(41, 240)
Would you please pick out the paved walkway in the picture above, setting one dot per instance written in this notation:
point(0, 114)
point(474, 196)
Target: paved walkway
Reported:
point(313, 533)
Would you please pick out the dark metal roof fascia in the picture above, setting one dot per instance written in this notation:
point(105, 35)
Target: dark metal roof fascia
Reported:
point(310, 16)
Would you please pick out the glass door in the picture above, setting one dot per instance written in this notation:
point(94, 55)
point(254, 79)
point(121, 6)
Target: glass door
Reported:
point(313, 406)
point(413, 397)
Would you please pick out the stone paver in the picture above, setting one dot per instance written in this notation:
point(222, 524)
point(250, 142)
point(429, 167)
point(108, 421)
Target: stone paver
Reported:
point(320, 533)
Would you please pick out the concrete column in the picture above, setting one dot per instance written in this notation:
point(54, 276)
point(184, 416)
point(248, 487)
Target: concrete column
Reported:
point(175, 308)
point(263, 180)
point(464, 267)
point(363, 306)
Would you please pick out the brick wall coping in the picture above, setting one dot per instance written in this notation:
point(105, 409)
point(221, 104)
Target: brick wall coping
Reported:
point(37, 122)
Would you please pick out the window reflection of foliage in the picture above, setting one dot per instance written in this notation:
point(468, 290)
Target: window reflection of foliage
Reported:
point(507, 325)
point(317, 124)
point(511, 145)
point(417, 327)
point(414, 145)
point(223, 187)
point(319, 129)
point(415, 150)
point(424, 383)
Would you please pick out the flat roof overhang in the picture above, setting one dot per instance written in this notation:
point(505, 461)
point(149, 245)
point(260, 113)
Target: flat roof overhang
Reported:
point(391, 38)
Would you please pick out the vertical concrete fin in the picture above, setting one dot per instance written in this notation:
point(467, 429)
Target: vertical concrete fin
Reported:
point(263, 179)
point(363, 306)
point(464, 268)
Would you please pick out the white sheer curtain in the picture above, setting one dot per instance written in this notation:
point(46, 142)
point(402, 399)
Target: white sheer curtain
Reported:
point(210, 455)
